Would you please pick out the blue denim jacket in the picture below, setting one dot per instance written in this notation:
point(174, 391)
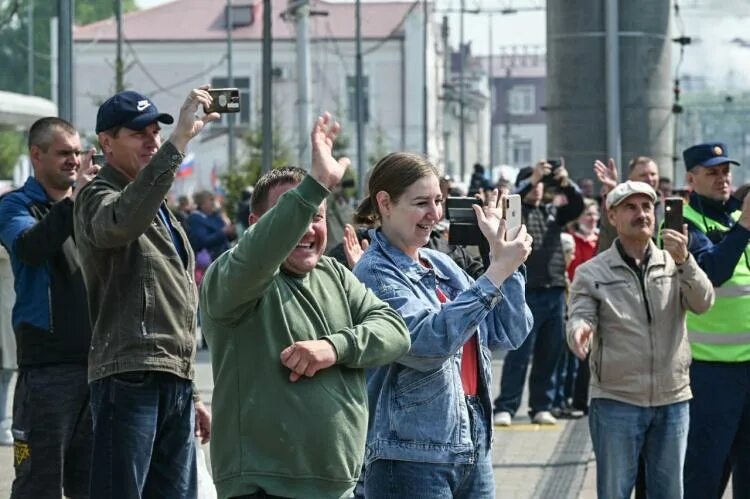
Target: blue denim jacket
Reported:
point(417, 405)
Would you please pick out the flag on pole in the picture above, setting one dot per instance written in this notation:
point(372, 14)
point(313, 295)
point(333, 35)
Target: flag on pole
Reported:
point(186, 167)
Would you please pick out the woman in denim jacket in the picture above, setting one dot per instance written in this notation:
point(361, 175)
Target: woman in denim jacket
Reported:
point(430, 412)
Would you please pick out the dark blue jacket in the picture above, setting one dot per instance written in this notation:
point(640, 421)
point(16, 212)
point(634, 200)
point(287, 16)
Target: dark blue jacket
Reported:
point(717, 257)
point(50, 316)
point(206, 232)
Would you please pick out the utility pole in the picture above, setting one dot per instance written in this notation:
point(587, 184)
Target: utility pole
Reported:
point(612, 72)
point(450, 167)
point(65, 60)
point(461, 96)
point(506, 132)
point(119, 66)
point(425, 127)
point(230, 84)
point(267, 121)
point(492, 94)
point(30, 45)
point(300, 9)
point(360, 107)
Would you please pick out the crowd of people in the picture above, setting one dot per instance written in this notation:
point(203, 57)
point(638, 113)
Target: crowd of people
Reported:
point(367, 373)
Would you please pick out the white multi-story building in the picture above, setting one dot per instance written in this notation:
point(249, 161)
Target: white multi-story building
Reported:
point(177, 46)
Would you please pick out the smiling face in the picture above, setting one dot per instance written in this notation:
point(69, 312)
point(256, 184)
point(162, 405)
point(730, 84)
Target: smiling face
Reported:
point(646, 172)
point(633, 217)
point(56, 166)
point(131, 150)
point(305, 256)
point(408, 221)
point(714, 182)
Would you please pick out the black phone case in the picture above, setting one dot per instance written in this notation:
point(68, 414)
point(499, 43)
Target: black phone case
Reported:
point(673, 214)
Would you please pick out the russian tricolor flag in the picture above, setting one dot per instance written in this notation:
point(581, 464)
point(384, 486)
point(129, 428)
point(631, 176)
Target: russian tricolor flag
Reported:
point(187, 166)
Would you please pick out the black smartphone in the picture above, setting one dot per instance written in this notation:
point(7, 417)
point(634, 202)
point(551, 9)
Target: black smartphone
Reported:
point(673, 213)
point(549, 180)
point(97, 159)
point(224, 100)
point(464, 229)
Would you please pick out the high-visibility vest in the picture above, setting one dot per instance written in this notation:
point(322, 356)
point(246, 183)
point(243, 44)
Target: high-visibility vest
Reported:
point(723, 333)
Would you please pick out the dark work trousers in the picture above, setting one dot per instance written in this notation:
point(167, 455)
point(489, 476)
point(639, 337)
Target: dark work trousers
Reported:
point(719, 437)
point(546, 340)
point(144, 445)
point(51, 432)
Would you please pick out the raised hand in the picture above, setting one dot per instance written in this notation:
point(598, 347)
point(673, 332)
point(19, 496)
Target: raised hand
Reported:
point(745, 214)
point(561, 174)
point(507, 255)
point(541, 170)
point(305, 358)
point(353, 249)
point(607, 174)
point(325, 168)
point(582, 341)
point(675, 243)
point(490, 214)
point(87, 170)
point(189, 123)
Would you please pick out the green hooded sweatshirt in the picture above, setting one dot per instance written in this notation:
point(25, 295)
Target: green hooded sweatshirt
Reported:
point(303, 439)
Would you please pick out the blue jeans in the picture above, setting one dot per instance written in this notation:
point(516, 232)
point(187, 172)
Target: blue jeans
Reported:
point(389, 479)
point(143, 436)
point(546, 340)
point(621, 432)
point(719, 439)
point(567, 371)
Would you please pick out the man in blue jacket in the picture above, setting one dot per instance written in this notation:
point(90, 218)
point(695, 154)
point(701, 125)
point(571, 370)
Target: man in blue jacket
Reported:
point(51, 417)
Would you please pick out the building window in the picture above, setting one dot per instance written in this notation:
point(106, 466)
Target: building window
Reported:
point(521, 100)
point(351, 85)
point(521, 152)
point(243, 84)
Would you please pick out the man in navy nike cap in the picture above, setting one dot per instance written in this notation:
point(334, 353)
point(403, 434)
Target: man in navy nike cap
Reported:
point(138, 268)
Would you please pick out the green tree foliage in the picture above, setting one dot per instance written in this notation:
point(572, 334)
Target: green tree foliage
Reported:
point(12, 144)
point(249, 168)
point(14, 35)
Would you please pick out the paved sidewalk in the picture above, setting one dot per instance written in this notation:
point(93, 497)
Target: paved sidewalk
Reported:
point(534, 461)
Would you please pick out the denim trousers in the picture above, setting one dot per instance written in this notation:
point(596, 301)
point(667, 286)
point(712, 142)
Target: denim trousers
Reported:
point(719, 438)
point(546, 340)
point(143, 436)
point(390, 479)
point(621, 432)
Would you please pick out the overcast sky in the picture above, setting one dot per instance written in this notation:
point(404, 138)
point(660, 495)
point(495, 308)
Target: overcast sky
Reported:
point(713, 24)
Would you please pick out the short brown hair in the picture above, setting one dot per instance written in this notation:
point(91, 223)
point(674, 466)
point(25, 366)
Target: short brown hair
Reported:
point(271, 179)
point(199, 197)
point(41, 132)
point(639, 160)
point(394, 173)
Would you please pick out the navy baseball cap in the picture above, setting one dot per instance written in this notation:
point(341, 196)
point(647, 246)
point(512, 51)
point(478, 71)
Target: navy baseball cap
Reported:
point(129, 109)
point(708, 155)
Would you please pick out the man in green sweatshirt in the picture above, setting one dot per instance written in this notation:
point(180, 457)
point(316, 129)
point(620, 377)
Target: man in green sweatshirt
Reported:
point(290, 333)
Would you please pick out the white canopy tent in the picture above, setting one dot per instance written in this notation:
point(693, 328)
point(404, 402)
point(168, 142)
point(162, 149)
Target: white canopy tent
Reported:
point(19, 110)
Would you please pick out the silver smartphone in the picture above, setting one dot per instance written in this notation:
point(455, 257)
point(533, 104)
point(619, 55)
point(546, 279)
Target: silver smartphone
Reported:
point(512, 215)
